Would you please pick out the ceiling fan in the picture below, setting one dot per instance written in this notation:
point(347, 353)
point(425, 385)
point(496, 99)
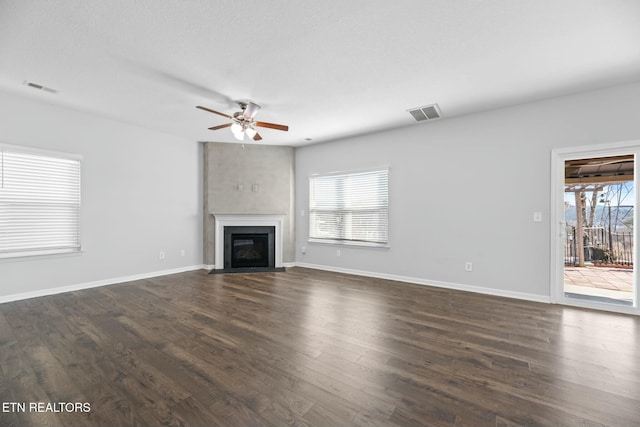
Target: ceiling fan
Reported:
point(243, 122)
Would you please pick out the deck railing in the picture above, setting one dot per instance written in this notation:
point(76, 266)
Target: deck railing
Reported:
point(600, 246)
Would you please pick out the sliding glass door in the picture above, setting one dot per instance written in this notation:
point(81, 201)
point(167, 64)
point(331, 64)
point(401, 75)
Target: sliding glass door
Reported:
point(593, 228)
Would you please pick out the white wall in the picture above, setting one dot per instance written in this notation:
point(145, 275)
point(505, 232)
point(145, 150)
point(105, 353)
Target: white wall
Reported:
point(141, 194)
point(465, 189)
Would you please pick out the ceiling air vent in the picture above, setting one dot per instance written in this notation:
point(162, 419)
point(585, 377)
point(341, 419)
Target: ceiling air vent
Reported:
point(428, 112)
point(41, 87)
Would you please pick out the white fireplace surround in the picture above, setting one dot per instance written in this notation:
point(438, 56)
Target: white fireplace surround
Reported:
point(245, 220)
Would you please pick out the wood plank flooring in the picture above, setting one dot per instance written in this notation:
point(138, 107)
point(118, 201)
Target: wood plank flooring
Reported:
point(313, 348)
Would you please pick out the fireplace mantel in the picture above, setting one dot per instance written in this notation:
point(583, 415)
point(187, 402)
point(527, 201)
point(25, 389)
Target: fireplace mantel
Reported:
point(234, 220)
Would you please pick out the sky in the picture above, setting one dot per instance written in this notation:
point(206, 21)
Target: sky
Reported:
point(620, 194)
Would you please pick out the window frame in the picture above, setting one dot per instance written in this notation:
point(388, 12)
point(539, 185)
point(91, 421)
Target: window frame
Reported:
point(345, 241)
point(43, 251)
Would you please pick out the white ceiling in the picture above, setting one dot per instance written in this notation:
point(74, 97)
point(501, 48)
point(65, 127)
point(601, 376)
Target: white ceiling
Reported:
point(326, 68)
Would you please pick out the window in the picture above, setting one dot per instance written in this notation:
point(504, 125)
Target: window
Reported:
point(39, 202)
point(350, 207)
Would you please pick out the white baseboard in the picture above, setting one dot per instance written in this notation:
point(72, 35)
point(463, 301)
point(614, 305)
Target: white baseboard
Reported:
point(97, 283)
point(435, 283)
point(414, 280)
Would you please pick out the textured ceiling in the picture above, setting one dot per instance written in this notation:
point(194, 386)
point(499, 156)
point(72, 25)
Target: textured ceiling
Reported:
point(325, 68)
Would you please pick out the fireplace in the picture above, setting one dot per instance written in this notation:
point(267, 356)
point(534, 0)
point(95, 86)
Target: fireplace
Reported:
point(247, 242)
point(249, 247)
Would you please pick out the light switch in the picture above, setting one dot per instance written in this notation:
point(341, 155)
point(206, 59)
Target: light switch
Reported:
point(537, 217)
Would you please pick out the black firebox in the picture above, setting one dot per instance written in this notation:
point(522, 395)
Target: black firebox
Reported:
point(249, 247)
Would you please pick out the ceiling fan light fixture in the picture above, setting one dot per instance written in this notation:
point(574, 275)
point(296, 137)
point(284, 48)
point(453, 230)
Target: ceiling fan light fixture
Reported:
point(249, 110)
point(242, 121)
point(237, 131)
point(251, 132)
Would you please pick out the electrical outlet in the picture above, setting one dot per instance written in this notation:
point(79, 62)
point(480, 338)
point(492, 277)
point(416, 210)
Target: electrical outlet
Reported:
point(182, 252)
point(161, 256)
point(468, 266)
point(303, 250)
point(338, 252)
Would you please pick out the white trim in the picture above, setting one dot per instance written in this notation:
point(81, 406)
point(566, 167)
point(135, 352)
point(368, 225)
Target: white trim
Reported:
point(557, 230)
point(604, 306)
point(350, 171)
point(41, 256)
point(434, 283)
point(246, 220)
point(356, 243)
point(413, 280)
point(597, 150)
point(40, 253)
point(39, 151)
point(96, 284)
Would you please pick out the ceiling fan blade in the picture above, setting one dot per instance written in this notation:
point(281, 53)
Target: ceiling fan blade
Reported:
point(214, 112)
point(272, 126)
point(250, 110)
point(226, 125)
point(257, 137)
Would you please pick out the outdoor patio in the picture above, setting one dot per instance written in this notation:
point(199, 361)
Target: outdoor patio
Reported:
point(606, 282)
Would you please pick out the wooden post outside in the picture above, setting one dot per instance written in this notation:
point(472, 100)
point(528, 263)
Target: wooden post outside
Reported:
point(579, 229)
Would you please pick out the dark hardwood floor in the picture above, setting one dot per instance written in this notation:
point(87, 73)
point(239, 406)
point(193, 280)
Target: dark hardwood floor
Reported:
point(307, 347)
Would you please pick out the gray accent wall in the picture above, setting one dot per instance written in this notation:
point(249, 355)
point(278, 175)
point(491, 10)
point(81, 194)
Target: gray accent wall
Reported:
point(465, 189)
point(250, 178)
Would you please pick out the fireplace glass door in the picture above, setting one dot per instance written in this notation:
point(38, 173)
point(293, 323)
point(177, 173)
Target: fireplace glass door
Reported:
point(249, 247)
point(250, 250)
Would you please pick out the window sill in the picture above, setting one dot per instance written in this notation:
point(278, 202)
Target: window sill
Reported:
point(26, 255)
point(368, 245)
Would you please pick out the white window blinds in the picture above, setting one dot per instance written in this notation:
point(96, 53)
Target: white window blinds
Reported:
point(39, 204)
point(350, 207)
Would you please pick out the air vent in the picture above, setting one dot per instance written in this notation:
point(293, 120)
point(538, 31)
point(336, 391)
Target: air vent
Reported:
point(40, 87)
point(428, 112)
